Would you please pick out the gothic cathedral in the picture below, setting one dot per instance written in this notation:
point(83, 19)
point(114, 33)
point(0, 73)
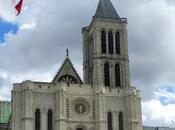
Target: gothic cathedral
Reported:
point(105, 100)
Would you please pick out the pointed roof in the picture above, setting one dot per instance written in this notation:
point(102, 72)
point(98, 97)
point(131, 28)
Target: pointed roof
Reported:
point(106, 9)
point(67, 73)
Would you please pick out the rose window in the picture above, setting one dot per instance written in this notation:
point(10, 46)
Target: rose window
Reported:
point(80, 107)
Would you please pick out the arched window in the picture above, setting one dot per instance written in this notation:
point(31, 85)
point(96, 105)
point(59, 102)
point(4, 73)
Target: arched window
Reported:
point(117, 43)
point(106, 74)
point(117, 76)
point(67, 79)
point(109, 116)
point(37, 119)
point(49, 120)
point(110, 43)
point(103, 42)
point(120, 121)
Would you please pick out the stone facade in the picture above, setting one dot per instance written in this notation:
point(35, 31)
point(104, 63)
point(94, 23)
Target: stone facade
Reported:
point(91, 105)
point(60, 97)
point(94, 57)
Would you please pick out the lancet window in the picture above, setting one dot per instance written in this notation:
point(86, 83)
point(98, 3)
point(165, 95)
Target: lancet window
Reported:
point(120, 121)
point(37, 119)
point(109, 118)
point(117, 43)
point(49, 120)
point(103, 42)
point(106, 74)
point(117, 76)
point(110, 42)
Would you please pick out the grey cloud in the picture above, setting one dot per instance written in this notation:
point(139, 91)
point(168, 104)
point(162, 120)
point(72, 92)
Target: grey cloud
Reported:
point(58, 26)
point(171, 2)
point(148, 30)
point(1, 81)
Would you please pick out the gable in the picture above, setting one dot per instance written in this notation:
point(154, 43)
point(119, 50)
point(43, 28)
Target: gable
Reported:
point(67, 74)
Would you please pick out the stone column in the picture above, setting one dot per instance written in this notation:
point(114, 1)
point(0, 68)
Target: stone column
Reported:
point(114, 42)
point(111, 75)
point(27, 110)
point(57, 111)
point(98, 72)
point(13, 110)
point(62, 108)
point(115, 121)
point(107, 47)
point(100, 112)
point(97, 41)
point(132, 121)
point(62, 116)
point(122, 75)
point(44, 119)
point(85, 33)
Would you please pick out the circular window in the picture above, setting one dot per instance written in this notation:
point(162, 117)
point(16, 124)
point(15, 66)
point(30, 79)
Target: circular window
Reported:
point(80, 107)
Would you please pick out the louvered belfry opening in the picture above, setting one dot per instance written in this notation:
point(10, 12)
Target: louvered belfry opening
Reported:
point(117, 43)
point(106, 74)
point(103, 42)
point(110, 42)
point(117, 76)
point(37, 119)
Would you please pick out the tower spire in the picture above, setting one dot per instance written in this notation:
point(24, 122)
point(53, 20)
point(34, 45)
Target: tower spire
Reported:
point(106, 9)
point(67, 53)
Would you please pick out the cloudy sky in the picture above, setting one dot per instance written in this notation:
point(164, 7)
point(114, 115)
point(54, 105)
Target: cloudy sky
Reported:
point(32, 46)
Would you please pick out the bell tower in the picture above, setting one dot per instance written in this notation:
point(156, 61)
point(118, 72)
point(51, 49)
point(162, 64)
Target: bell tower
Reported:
point(105, 48)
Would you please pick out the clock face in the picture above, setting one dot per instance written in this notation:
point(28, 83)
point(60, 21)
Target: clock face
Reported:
point(80, 107)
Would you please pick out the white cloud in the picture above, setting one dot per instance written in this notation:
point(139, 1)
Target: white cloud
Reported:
point(157, 115)
point(160, 111)
point(3, 75)
point(7, 11)
point(28, 26)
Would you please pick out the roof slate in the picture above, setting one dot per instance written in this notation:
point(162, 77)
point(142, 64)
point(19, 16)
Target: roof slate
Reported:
point(106, 9)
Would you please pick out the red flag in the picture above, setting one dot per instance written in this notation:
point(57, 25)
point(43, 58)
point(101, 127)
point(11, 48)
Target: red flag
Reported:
point(18, 7)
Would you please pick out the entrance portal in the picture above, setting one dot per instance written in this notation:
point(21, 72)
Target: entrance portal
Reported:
point(79, 129)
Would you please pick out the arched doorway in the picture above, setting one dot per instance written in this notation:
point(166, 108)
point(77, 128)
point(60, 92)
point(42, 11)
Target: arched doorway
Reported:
point(79, 129)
